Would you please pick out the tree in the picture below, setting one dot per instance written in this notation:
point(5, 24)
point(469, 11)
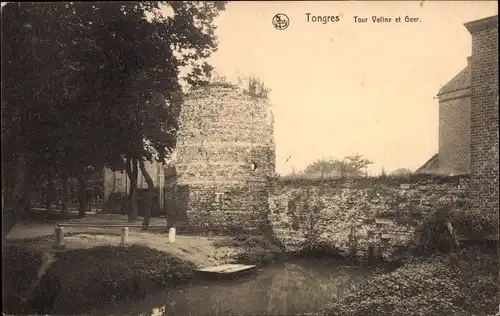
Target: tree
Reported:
point(322, 166)
point(401, 172)
point(383, 174)
point(33, 93)
point(103, 78)
point(50, 125)
point(144, 81)
point(357, 162)
point(347, 167)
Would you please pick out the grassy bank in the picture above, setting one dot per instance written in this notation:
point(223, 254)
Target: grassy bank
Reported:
point(462, 283)
point(81, 279)
point(20, 266)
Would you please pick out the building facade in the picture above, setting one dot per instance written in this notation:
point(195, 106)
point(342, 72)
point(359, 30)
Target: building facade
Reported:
point(454, 99)
point(118, 181)
point(484, 114)
point(454, 124)
point(468, 117)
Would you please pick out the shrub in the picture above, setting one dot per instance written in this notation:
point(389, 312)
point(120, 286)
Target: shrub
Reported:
point(20, 269)
point(455, 284)
point(433, 235)
point(475, 224)
point(116, 203)
point(43, 216)
point(80, 279)
point(254, 249)
point(319, 250)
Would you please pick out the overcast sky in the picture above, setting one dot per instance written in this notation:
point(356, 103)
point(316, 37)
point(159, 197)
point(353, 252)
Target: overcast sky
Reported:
point(345, 88)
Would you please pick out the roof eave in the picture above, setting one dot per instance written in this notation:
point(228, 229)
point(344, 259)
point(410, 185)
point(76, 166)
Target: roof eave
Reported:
point(482, 24)
point(441, 92)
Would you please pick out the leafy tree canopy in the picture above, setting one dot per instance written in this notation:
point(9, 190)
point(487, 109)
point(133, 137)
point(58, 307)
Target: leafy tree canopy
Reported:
point(88, 83)
point(349, 166)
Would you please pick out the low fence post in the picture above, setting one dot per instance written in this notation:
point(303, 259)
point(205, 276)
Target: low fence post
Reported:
point(59, 238)
point(124, 241)
point(171, 235)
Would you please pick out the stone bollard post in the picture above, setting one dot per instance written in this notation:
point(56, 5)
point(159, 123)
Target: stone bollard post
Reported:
point(59, 238)
point(124, 241)
point(171, 235)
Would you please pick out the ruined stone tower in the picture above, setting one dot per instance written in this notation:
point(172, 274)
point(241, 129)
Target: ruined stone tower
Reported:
point(225, 154)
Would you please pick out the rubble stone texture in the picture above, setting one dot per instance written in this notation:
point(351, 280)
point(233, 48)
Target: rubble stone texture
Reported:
point(224, 134)
point(352, 216)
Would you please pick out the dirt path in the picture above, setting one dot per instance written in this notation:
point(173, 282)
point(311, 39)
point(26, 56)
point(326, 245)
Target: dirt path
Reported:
point(31, 229)
point(202, 251)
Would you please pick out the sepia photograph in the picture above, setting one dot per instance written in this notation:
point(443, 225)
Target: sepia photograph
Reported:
point(242, 158)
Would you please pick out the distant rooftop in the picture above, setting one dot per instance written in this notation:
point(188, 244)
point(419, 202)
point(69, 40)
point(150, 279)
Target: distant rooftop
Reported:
point(482, 24)
point(430, 167)
point(461, 81)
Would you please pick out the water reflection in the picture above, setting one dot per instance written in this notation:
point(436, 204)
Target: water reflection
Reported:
point(291, 288)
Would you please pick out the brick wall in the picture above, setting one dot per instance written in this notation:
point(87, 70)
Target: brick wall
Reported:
point(484, 114)
point(223, 131)
point(360, 213)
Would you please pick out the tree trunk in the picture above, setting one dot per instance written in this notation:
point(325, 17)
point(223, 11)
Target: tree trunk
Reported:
point(132, 172)
point(114, 182)
point(149, 200)
point(18, 204)
point(64, 197)
point(49, 190)
point(82, 190)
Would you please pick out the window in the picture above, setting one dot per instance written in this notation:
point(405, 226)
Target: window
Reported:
point(119, 184)
point(253, 166)
point(218, 197)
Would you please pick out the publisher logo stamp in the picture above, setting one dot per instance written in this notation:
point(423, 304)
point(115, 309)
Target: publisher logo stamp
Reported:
point(281, 21)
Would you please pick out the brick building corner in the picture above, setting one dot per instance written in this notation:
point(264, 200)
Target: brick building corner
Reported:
point(484, 114)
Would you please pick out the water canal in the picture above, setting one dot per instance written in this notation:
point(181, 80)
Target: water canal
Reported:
point(295, 287)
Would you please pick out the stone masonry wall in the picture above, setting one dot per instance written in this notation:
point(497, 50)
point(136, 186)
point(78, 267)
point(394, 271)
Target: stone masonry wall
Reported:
point(352, 216)
point(223, 133)
point(484, 114)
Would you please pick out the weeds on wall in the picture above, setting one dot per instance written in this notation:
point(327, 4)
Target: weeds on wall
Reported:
point(251, 84)
point(353, 242)
point(307, 218)
point(372, 180)
point(216, 80)
point(254, 87)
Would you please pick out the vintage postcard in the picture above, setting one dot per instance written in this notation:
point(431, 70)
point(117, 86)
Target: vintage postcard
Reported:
point(250, 158)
